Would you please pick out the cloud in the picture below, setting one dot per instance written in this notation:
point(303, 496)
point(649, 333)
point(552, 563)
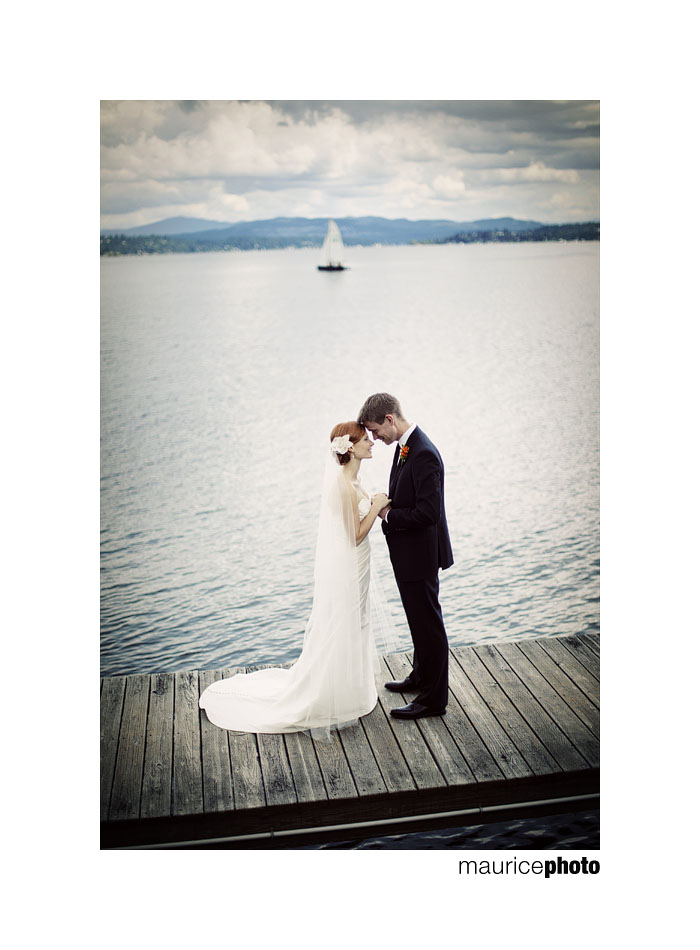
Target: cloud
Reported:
point(132, 196)
point(449, 186)
point(535, 171)
point(250, 159)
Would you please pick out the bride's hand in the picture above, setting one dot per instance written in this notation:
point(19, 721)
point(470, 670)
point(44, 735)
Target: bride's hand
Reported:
point(380, 500)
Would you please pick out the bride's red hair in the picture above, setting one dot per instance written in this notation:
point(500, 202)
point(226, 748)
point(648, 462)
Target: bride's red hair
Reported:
point(354, 430)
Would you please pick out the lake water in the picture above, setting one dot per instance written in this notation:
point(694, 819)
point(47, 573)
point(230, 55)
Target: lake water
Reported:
point(577, 831)
point(222, 376)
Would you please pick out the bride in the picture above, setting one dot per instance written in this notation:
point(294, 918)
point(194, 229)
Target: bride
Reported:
point(332, 682)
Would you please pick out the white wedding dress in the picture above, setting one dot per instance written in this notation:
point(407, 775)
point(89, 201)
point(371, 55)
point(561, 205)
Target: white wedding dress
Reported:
point(332, 683)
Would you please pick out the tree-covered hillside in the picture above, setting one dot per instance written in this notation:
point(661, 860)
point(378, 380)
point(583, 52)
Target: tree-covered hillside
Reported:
point(590, 231)
point(479, 232)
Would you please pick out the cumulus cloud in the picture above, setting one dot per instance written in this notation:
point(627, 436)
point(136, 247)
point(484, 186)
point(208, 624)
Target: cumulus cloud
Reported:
point(238, 160)
point(535, 171)
point(449, 186)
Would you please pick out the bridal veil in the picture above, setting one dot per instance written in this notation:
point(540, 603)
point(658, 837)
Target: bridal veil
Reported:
point(332, 683)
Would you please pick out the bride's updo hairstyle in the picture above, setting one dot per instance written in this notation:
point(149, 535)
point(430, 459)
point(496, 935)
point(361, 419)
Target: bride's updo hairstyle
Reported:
point(353, 430)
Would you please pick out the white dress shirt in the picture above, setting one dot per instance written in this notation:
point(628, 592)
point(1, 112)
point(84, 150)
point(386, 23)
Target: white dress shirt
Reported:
point(404, 438)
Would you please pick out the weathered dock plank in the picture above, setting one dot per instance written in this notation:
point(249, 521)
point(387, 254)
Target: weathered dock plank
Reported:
point(521, 729)
point(188, 797)
point(395, 772)
point(477, 756)
point(335, 770)
point(584, 653)
point(478, 713)
point(128, 773)
point(591, 640)
point(363, 765)
point(516, 728)
point(437, 736)
point(418, 756)
point(306, 773)
point(276, 770)
point(156, 794)
point(111, 703)
point(246, 772)
point(216, 763)
point(575, 698)
point(275, 765)
point(248, 785)
point(541, 723)
point(574, 669)
point(551, 702)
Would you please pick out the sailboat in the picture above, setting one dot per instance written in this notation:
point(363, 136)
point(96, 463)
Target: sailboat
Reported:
point(332, 250)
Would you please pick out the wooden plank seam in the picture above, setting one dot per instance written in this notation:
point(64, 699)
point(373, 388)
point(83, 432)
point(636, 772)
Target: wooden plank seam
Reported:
point(557, 726)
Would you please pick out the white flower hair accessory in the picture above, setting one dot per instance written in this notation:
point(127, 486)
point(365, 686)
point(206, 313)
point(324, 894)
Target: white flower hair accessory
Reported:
point(341, 444)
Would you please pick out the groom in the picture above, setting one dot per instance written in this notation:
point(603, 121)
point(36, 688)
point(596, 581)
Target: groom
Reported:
point(415, 528)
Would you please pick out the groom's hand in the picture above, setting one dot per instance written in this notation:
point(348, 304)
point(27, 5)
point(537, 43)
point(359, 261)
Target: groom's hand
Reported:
point(383, 512)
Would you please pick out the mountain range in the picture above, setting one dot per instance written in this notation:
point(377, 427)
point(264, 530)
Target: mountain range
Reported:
point(311, 231)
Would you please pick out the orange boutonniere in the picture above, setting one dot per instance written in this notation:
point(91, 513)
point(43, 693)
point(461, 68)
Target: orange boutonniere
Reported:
point(403, 454)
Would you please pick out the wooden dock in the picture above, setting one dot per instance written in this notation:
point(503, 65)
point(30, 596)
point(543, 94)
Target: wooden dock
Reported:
point(521, 736)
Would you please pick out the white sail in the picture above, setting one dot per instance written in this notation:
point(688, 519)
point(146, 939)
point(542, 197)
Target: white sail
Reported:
point(332, 251)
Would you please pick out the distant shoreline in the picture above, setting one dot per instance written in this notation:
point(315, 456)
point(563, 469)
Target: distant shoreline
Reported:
point(119, 245)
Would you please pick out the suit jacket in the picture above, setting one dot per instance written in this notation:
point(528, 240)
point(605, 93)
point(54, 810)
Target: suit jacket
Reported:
point(416, 530)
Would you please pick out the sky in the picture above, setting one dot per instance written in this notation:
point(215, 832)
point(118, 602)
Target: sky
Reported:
point(229, 160)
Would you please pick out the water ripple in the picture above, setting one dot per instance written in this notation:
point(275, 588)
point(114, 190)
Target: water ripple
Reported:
point(210, 477)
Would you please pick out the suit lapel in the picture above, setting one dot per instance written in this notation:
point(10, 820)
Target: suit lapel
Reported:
point(394, 470)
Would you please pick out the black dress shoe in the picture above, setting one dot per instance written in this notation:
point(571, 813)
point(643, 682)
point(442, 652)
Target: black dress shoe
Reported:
point(402, 686)
point(416, 711)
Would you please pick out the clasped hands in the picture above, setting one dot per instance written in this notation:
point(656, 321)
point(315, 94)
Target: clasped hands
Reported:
point(384, 503)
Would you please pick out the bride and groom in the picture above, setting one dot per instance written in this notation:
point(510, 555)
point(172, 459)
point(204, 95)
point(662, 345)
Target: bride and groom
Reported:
point(332, 683)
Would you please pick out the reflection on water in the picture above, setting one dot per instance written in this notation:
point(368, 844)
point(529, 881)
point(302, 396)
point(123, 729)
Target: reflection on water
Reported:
point(575, 831)
point(222, 375)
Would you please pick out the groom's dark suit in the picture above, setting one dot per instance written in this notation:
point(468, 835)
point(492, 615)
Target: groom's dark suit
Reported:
point(419, 544)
